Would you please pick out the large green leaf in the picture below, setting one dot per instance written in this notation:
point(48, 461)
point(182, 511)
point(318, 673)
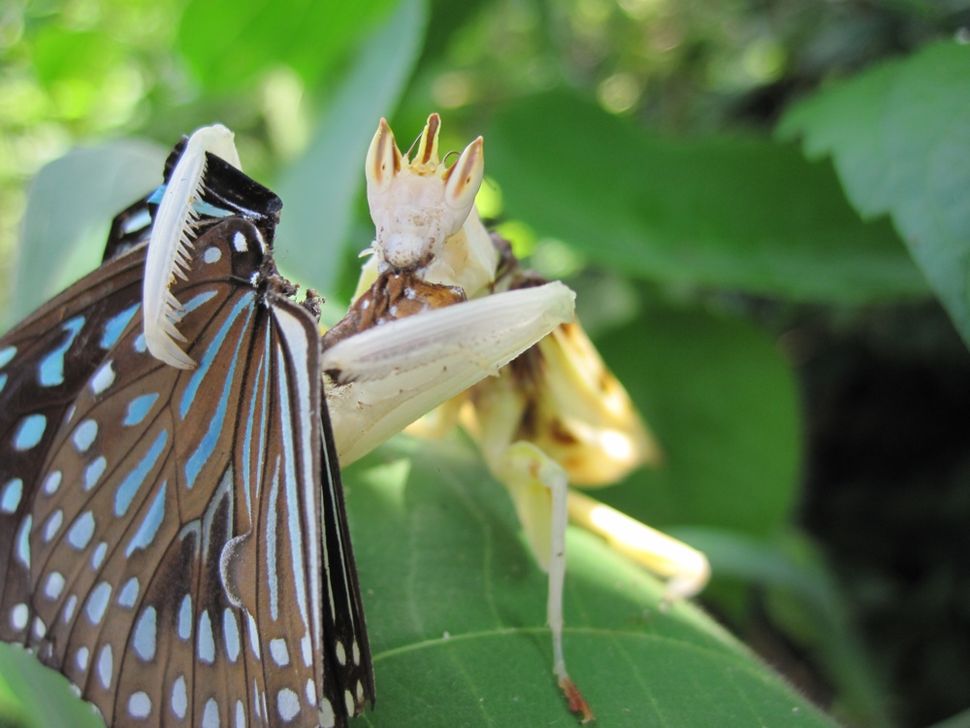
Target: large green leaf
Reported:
point(738, 213)
point(455, 608)
point(320, 189)
point(230, 42)
point(900, 138)
point(722, 402)
point(69, 210)
point(34, 697)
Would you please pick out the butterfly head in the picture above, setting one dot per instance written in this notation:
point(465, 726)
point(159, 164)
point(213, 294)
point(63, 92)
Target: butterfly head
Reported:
point(417, 203)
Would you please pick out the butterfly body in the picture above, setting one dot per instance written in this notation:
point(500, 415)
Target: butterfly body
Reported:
point(173, 540)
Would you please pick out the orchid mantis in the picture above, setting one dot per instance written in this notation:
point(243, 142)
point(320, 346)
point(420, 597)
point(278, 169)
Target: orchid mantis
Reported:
point(555, 415)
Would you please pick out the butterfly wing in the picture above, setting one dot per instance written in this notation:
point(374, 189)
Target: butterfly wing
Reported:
point(46, 361)
point(166, 548)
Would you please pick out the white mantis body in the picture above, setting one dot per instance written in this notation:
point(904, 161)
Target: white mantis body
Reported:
point(440, 307)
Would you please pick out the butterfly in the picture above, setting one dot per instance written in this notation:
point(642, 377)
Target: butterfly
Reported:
point(174, 540)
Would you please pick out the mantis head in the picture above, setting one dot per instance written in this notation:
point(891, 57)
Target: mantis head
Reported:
point(416, 204)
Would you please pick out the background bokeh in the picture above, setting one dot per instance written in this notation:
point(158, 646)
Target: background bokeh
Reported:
point(763, 205)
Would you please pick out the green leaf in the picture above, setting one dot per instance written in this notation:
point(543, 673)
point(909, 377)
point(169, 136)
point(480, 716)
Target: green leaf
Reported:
point(321, 188)
point(31, 696)
point(456, 606)
point(737, 213)
point(456, 609)
point(900, 138)
point(228, 43)
point(69, 210)
point(722, 402)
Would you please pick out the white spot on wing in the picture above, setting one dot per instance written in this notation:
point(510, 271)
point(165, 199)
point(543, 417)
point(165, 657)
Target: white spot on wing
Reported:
point(69, 606)
point(279, 652)
point(306, 649)
point(179, 697)
point(81, 657)
point(79, 535)
point(185, 618)
point(53, 525)
point(84, 435)
point(94, 471)
point(52, 482)
point(145, 634)
point(326, 714)
point(288, 704)
point(139, 704)
point(210, 717)
point(23, 541)
point(54, 585)
point(97, 557)
point(11, 495)
point(103, 378)
point(253, 634)
point(105, 666)
point(230, 628)
point(129, 593)
point(206, 648)
point(98, 602)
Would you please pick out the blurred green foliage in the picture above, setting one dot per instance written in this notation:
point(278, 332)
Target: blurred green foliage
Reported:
point(734, 285)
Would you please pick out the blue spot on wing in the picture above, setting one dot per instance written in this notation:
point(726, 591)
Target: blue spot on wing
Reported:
point(149, 527)
point(188, 397)
point(51, 372)
point(196, 301)
point(6, 354)
point(136, 478)
point(156, 196)
point(139, 408)
point(116, 325)
point(30, 432)
point(206, 447)
point(201, 207)
point(261, 384)
point(12, 492)
point(204, 208)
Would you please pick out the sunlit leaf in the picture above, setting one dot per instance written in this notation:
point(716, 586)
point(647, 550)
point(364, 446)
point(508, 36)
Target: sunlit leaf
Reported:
point(735, 213)
point(31, 696)
point(900, 138)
